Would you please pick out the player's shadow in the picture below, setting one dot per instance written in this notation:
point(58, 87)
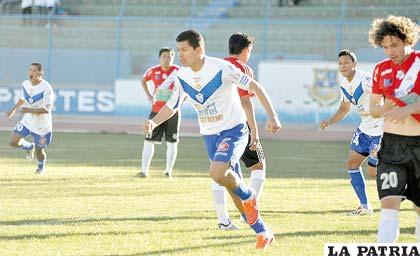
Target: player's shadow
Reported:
point(294, 212)
point(41, 222)
point(107, 233)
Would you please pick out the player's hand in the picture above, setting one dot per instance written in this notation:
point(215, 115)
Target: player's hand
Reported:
point(254, 140)
point(149, 125)
point(273, 125)
point(324, 124)
point(397, 114)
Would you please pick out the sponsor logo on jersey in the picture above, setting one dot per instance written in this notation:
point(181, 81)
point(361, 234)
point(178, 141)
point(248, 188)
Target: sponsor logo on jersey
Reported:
point(223, 147)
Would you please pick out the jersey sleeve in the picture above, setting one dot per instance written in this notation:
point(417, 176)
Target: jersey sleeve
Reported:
point(178, 96)
point(376, 84)
point(234, 75)
point(48, 98)
point(22, 92)
point(148, 75)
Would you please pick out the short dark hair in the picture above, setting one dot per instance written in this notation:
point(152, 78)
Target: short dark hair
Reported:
point(194, 38)
point(238, 42)
point(37, 65)
point(165, 49)
point(346, 52)
point(399, 26)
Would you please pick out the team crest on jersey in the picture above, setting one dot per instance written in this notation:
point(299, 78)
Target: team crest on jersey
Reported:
point(199, 97)
point(324, 89)
point(30, 100)
point(223, 147)
point(400, 74)
point(387, 82)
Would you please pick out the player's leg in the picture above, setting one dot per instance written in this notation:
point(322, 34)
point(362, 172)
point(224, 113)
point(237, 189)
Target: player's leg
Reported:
point(415, 182)
point(358, 153)
point(219, 201)
point(41, 143)
point(374, 146)
point(171, 137)
point(17, 139)
point(225, 170)
point(149, 148)
point(255, 162)
point(393, 183)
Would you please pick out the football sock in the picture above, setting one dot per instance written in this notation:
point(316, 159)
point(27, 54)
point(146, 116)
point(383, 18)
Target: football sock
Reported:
point(41, 164)
point(259, 226)
point(147, 155)
point(243, 192)
point(256, 181)
point(219, 200)
point(171, 152)
point(25, 145)
point(389, 227)
point(358, 183)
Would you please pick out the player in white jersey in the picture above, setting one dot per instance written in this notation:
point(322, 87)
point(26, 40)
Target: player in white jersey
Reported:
point(356, 89)
point(35, 102)
point(211, 84)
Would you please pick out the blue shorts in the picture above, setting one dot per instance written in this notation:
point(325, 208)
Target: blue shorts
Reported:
point(365, 144)
point(41, 141)
point(228, 146)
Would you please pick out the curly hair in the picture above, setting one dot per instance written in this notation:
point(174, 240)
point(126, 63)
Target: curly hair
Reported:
point(398, 26)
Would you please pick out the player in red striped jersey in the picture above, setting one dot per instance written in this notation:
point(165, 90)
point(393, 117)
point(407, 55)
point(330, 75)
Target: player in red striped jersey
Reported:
point(240, 48)
point(161, 78)
point(395, 96)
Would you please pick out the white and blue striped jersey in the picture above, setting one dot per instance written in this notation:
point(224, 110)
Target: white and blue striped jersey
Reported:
point(214, 93)
point(358, 92)
point(38, 96)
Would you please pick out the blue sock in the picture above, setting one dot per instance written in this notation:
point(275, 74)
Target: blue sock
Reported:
point(358, 183)
point(244, 216)
point(26, 145)
point(41, 164)
point(242, 191)
point(259, 226)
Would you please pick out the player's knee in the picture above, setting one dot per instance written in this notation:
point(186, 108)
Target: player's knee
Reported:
point(14, 142)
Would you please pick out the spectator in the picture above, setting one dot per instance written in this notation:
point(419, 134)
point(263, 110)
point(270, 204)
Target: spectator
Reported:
point(288, 2)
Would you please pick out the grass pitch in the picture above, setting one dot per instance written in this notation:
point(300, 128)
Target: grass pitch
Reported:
point(89, 203)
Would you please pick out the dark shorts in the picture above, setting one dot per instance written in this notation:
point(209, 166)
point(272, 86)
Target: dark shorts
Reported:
point(170, 128)
point(398, 172)
point(251, 158)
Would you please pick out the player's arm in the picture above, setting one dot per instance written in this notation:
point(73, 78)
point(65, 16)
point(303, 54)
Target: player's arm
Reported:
point(170, 108)
point(146, 90)
point(398, 114)
point(12, 111)
point(339, 115)
point(378, 106)
point(248, 106)
point(273, 124)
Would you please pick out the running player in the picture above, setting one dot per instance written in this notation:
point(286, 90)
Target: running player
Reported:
point(35, 102)
point(211, 84)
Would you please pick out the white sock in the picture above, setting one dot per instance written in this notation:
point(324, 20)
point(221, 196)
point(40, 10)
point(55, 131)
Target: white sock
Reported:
point(171, 152)
point(389, 226)
point(256, 181)
point(146, 156)
point(219, 200)
point(418, 228)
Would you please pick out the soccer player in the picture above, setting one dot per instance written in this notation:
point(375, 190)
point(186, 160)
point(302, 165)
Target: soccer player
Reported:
point(395, 96)
point(211, 84)
point(161, 79)
point(240, 47)
point(356, 90)
point(35, 103)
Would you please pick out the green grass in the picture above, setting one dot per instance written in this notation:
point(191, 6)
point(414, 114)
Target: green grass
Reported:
point(89, 203)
